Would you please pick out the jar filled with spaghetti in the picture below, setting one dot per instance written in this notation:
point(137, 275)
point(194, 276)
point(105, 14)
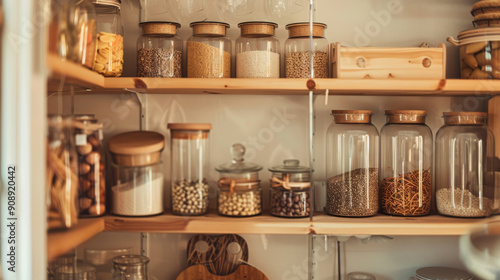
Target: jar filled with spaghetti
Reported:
point(406, 161)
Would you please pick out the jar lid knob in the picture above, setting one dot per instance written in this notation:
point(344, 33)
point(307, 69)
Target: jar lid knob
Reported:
point(291, 162)
point(237, 151)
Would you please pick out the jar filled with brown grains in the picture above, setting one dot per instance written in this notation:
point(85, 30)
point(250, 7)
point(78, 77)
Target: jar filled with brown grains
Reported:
point(209, 50)
point(240, 194)
point(159, 50)
point(290, 190)
point(406, 164)
point(352, 158)
point(298, 51)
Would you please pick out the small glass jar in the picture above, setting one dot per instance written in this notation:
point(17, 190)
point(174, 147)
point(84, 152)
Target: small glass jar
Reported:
point(62, 173)
point(159, 50)
point(297, 51)
point(91, 166)
point(77, 271)
point(209, 50)
point(406, 162)
point(352, 158)
point(189, 164)
point(240, 194)
point(130, 267)
point(109, 55)
point(465, 179)
point(290, 190)
point(257, 51)
point(137, 173)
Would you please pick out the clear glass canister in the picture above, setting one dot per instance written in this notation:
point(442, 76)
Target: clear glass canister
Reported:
point(130, 267)
point(109, 55)
point(62, 173)
point(290, 190)
point(137, 173)
point(406, 162)
point(465, 180)
point(77, 271)
point(297, 51)
point(257, 51)
point(159, 50)
point(91, 166)
point(240, 194)
point(189, 154)
point(352, 158)
point(209, 50)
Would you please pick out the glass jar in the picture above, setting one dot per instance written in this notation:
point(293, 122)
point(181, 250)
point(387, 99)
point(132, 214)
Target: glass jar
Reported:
point(109, 55)
point(240, 194)
point(406, 162)
point(159, 50)
point(130, 267)
point(91, 166)
point(62, 173)
point(290, 190)
point(297, 51)
point(189, 154)
point(352, 158)
point(77, 271)
point(465, 151)
point(479, 53)
point(209, 50)
point(137, 173)
point(257, 51)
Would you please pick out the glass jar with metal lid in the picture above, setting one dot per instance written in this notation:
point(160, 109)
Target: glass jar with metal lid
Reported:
point(209, 50)
point(352, 158)
point(297, 51)
point(405, 163)
point(240, 194)
point(159, 50)
point(109, 55)
point(465, 150)
point(290, 189)
point(257, 50)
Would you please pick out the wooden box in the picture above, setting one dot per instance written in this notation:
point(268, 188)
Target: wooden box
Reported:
point(384, 63)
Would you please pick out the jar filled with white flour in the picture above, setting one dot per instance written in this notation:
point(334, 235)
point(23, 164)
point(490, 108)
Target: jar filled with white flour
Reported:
point(137, 173)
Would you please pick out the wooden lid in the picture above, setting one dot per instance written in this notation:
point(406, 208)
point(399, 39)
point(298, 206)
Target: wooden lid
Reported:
point(465, 117)
point(476, 35)
point(406, 116)
point(209, 28)
point(159, 27)
point(257, 28)
point(301, 29)
point(352, 116)
point(189, 131)
point(485, 6)
point(136, 142)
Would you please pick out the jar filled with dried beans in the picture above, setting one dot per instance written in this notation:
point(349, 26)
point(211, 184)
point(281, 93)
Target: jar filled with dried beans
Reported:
point(405, 163)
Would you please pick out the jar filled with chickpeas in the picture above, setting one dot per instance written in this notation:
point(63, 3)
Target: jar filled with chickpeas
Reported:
point(240, 194)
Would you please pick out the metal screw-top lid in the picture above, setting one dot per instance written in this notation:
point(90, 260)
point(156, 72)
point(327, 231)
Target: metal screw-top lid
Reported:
point(238, 164)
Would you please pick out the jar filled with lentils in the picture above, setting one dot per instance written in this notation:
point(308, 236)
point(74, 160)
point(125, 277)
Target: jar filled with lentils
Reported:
point(290, 190)
point(159, 50)
point(240, 194)
point(209, 50)
point(298, 51)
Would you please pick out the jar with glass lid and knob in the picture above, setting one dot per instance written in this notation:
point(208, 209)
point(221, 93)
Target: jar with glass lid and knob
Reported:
point(130, 267)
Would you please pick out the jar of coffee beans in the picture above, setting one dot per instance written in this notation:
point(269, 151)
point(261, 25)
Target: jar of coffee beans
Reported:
point(290, 190)
point(240, 194)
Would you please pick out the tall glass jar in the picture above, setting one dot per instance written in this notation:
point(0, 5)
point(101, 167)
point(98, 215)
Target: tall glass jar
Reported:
point(406, 162)
point(109, 55)
point(297, 51)
point(91, 166)
point(257, 51)
point(189, 164)
point(352, 158)
point(465, 179)
point(240, 194)
point(290, 190)
point(62, 173)
point(130, 267)
point(159, 50)
point(209, 50)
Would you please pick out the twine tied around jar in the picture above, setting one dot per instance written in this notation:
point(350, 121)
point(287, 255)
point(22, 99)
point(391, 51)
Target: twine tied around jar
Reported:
point(285, 183)
point(232, 184)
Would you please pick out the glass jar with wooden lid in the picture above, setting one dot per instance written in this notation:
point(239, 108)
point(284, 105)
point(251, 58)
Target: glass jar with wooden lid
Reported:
point(352, 157)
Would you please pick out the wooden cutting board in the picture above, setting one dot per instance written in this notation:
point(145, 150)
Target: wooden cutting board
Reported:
point(200, 272)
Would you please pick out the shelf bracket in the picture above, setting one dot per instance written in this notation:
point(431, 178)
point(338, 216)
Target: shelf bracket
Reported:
point(145, 244)
point(142, 101)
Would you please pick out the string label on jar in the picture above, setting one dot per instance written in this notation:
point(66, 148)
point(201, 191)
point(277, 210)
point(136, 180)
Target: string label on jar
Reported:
point(80, 139)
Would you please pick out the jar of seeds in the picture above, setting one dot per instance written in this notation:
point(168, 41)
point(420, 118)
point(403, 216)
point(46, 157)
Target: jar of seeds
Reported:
point(298, 51)
point(209, 50)
point(352, 160)
point(290, 190)
point(189, 164)
point(240, 194)
point(159, 50)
